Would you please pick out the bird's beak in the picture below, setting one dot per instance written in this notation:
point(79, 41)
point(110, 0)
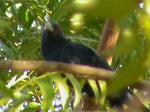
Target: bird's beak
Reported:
point(48, 26)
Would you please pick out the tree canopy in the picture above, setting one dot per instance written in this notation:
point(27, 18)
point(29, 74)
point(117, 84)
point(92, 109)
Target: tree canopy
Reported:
point(21, 25)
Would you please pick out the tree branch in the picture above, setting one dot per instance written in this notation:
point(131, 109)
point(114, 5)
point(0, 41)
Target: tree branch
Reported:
point(79, 71)
point(109, 39)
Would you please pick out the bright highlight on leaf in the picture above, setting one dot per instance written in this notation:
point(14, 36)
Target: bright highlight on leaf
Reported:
point(127, 33)
point(77, 89)
point(94, 88)
point(147, 4)
point(84, 2)
point(47, 91)
point(77, 20)
point(106, 8)
point(63, 89)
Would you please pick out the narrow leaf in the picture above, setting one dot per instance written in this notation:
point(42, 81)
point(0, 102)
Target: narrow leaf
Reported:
point(94, 88)
point(47, 92)
point(77, 89)
point(63, 89)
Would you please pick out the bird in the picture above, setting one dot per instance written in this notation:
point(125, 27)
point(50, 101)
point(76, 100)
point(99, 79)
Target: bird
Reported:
point(55, 47)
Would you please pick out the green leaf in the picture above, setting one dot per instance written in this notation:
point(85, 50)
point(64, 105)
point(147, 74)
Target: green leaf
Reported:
point(30, 17)
point(4, 100)
point(33, 105)
point(102, 8)
point(16, 108)
point(4, 91)
point(77, 89)
point(94, 87)
point(46, 1)
point(26, 16)
point(63, 90)
point(114, 8)
point(19, 99)
point(22, 13)
point(127, 75)
point(8, 51)
point(4, 24)
point(47, 91)
point(27, 50)
point(103, 87)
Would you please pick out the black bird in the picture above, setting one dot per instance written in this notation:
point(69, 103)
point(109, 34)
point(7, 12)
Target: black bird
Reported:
point(55, 47)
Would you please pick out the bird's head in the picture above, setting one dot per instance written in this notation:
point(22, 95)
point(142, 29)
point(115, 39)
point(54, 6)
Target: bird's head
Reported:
point(52, 30)
point(52, 36)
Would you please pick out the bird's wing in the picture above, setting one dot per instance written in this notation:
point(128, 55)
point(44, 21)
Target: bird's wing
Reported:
point(80, 54)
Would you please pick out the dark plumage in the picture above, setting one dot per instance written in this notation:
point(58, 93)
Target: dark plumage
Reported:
point(55, 47)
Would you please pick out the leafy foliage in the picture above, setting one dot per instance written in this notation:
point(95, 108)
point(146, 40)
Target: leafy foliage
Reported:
point(21, 24)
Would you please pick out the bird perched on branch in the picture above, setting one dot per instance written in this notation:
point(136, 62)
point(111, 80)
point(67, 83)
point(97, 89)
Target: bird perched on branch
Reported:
point(55, 47)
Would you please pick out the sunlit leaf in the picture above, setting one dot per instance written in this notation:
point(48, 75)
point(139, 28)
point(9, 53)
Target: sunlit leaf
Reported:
point(102, 8)
point(16, 108)
point(4, 100)
point(33, 105)
point(94, 87)
point(77, 89)
point(103, 88)
point(18, 101)
point(63, 89)
point(47, 91)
